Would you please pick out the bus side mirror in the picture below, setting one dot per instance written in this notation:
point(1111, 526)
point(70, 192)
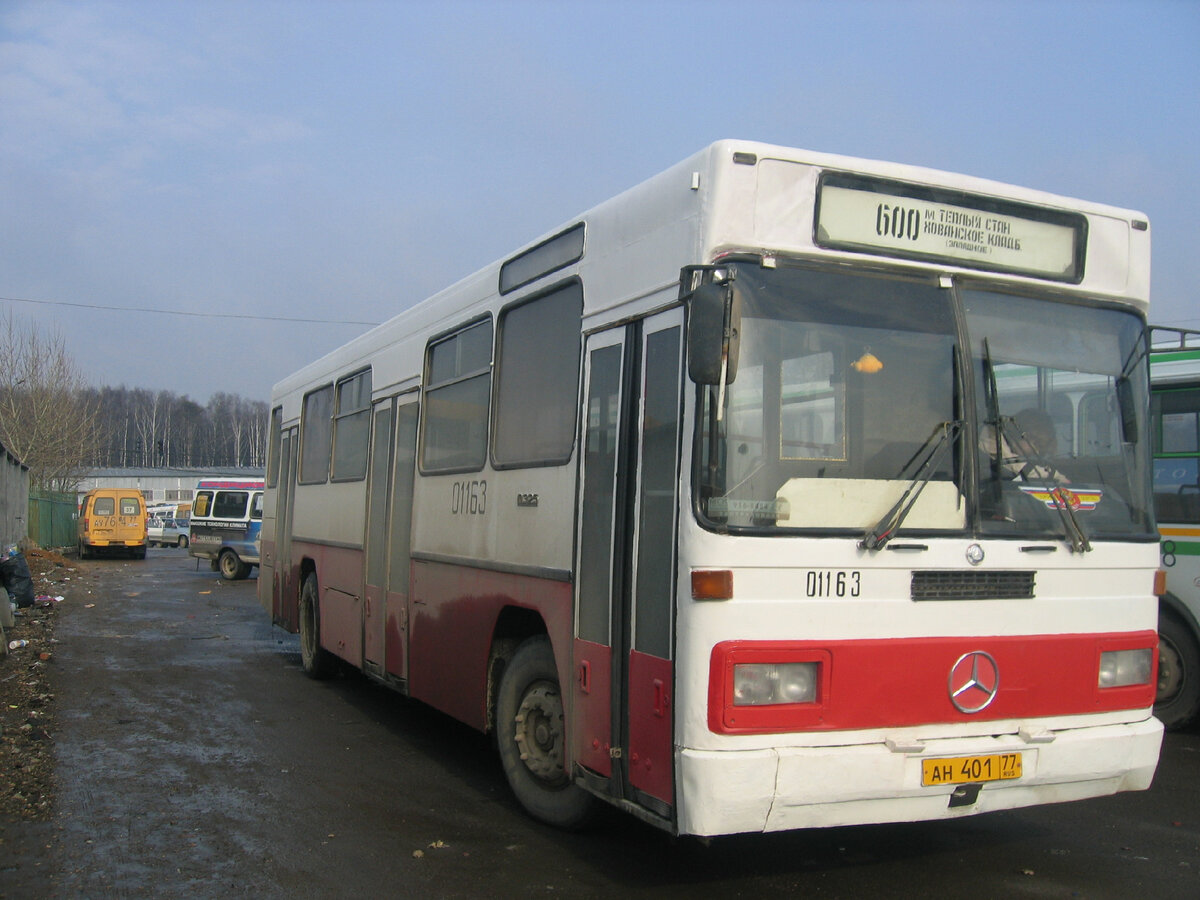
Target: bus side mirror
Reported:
point(714, 322)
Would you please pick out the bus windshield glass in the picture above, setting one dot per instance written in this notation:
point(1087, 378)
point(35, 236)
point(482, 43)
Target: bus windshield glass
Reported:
point(847, 410)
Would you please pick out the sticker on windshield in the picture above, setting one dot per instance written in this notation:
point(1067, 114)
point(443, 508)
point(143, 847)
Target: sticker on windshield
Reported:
point(1055, 498)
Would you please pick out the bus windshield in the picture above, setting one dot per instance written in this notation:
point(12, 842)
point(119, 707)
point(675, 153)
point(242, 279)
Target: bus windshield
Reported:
point(849, 405)
point(1060, 437)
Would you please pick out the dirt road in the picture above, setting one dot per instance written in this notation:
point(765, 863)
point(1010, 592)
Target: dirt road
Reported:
point(193, 759)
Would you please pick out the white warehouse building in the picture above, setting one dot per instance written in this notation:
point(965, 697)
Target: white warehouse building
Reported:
point(161, 485)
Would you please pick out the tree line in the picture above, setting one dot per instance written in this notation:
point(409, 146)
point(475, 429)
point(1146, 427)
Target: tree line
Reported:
point(140, 427)
point(61, 427)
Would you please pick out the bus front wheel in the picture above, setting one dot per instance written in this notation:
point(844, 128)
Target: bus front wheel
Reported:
point(1178, 700)
point(316, 661)
point(531, 735)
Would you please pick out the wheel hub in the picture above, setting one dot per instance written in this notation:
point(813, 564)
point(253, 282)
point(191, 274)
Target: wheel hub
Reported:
point(539, 732)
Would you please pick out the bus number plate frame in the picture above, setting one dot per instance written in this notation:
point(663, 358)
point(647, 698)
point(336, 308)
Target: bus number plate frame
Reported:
point(971, 769)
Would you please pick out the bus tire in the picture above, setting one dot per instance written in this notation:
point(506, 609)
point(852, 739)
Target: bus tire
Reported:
point(317, 662)
point(1178, 699)
point(531, 737)
point(231, 567)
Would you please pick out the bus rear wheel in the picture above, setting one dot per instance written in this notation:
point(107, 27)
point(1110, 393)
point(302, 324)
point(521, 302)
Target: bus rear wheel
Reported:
point(531, 735)
point(315, 660)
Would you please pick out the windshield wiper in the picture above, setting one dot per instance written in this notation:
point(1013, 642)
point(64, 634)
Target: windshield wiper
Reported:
point(1039, 471)
point(942, 438)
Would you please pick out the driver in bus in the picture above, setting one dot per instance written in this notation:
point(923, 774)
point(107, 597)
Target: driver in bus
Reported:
point(1025, 443)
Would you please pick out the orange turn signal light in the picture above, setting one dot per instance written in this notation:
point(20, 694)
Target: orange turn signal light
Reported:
point(1160, 582)
point(712, 584)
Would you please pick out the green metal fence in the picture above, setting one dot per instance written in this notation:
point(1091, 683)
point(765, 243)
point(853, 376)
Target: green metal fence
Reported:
point(52, 518)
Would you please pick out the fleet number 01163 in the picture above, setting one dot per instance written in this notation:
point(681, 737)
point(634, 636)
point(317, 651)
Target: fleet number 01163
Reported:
point(832, 583)
point(468, 498)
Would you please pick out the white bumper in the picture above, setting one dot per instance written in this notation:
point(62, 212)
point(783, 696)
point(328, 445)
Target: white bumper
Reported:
point(727, 792)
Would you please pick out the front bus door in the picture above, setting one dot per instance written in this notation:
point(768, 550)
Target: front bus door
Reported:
point(623, 688)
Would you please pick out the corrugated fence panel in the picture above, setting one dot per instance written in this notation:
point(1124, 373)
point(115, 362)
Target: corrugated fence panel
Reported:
point(52, 518)
point(14, 498)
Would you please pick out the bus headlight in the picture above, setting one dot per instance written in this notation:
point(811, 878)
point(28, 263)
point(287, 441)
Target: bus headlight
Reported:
point(1119, 668)
point(763, 684)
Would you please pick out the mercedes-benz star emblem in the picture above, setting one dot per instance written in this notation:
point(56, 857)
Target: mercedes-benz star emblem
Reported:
point(974, 681)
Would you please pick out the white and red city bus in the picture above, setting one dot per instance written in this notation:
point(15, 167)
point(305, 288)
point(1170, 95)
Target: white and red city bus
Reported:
point(741, 502)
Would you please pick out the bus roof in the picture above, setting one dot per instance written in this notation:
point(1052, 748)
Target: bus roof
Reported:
point(731, 196)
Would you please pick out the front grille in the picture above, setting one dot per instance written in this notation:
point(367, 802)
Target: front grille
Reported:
point(972, 585)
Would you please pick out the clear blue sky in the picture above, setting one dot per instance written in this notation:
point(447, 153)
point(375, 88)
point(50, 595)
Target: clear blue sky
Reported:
point(338, 161)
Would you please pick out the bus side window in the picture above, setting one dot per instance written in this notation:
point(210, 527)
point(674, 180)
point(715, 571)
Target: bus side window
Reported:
point(316, 436)
point(230, 505)
point(538, 379)
point(352, 427)
point(1177, 455)
point(273, 445)
point(1180, 412)
point(457, 394)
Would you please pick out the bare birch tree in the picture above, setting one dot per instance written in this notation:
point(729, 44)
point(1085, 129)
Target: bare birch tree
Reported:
point(46, 417)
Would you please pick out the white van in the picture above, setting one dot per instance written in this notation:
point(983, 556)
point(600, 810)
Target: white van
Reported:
point(226, 523)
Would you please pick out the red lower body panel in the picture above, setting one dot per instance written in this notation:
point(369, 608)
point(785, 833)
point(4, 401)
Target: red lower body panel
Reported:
point(453, 618)
point(908, 681)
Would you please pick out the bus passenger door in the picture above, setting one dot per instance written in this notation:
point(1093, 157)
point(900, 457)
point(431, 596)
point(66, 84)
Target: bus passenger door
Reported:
point(375, 540)
point(285, 587)
point(623, 691)
point(404, 461)
point(388, 538)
